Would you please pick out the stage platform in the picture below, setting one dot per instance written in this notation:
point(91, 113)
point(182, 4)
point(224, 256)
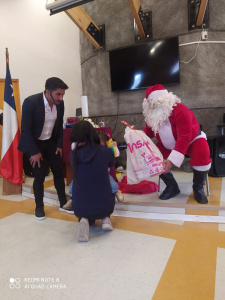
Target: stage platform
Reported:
point(182, 204)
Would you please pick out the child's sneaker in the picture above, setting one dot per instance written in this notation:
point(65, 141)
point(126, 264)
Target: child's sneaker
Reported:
point(119, 196)
point(106, 224)
point(68, 205)
point(120, 169)
point(83, 230)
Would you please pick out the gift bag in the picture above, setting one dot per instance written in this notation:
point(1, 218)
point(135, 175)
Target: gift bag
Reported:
point(144, 159)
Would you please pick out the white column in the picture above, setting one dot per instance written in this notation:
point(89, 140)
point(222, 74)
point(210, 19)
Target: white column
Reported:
point(84, 106)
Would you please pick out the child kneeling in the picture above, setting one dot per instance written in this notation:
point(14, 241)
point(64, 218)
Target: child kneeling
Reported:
point(107, 142)
point(92, 195)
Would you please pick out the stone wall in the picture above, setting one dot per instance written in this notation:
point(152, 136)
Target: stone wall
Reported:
point(201, 86)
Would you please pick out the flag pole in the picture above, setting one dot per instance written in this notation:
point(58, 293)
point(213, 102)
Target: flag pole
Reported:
point(7, 56)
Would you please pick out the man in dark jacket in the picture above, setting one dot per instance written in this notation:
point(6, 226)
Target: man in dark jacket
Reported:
point(42, 138)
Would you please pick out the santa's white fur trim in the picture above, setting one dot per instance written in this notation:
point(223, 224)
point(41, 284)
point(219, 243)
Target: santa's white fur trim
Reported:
point(202, 135)
point(176, 158)
point(157, 94)
point(166, 135)
point(202, 168)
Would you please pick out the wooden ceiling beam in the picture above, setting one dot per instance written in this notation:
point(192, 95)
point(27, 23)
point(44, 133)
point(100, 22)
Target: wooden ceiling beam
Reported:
point(135, 6)
point(201, 12)
point(83, 21)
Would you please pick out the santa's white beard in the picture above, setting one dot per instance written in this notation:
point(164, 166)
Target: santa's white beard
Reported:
point(157, 111)
point(156, 117)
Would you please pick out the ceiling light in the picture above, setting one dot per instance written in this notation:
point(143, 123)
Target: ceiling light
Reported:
point(62, 5)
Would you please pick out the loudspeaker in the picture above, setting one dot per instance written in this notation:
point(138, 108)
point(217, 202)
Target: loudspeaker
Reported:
point(217, 152)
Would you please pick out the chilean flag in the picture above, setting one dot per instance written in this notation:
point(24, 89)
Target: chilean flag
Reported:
point(11, 160)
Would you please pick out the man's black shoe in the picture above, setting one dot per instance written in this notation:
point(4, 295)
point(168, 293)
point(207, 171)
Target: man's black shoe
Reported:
point(198, 182)
point(171, 189)
point(200, 196)
point(169, 193)
point(39, 213)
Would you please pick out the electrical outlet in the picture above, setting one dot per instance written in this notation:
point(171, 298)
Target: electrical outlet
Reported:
point(204, 35)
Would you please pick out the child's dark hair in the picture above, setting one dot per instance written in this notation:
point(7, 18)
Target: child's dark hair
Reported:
point(103, 136)
point(82, 132)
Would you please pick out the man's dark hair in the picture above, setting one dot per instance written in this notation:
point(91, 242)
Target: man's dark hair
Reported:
point(55, 83)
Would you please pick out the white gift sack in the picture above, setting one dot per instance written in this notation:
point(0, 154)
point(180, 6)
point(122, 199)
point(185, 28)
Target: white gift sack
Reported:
point(144, 159)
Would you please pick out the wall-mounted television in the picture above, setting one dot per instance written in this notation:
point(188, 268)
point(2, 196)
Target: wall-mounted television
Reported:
point(143, 65)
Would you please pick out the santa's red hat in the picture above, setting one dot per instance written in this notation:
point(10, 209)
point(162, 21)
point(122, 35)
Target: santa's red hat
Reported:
point(156, 91)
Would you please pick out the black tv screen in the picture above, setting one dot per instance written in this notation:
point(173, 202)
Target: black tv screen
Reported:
point(144, 65)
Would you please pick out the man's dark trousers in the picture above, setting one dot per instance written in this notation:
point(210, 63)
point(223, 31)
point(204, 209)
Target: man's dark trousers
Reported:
point(48, 150)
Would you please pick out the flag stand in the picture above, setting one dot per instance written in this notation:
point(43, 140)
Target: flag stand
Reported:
point(10, 189)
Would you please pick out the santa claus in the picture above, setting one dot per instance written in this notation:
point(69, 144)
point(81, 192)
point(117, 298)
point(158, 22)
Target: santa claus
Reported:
point(178, 133)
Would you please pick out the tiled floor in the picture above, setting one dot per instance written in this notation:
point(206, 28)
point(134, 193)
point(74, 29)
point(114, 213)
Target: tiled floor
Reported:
point(152, 253)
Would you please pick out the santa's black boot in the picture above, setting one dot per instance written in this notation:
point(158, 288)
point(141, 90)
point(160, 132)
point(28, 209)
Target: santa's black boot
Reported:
point(171, 189)
point(198, 182)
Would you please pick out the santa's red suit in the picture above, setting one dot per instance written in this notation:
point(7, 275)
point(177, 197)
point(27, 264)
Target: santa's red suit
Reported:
point(180, 134)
